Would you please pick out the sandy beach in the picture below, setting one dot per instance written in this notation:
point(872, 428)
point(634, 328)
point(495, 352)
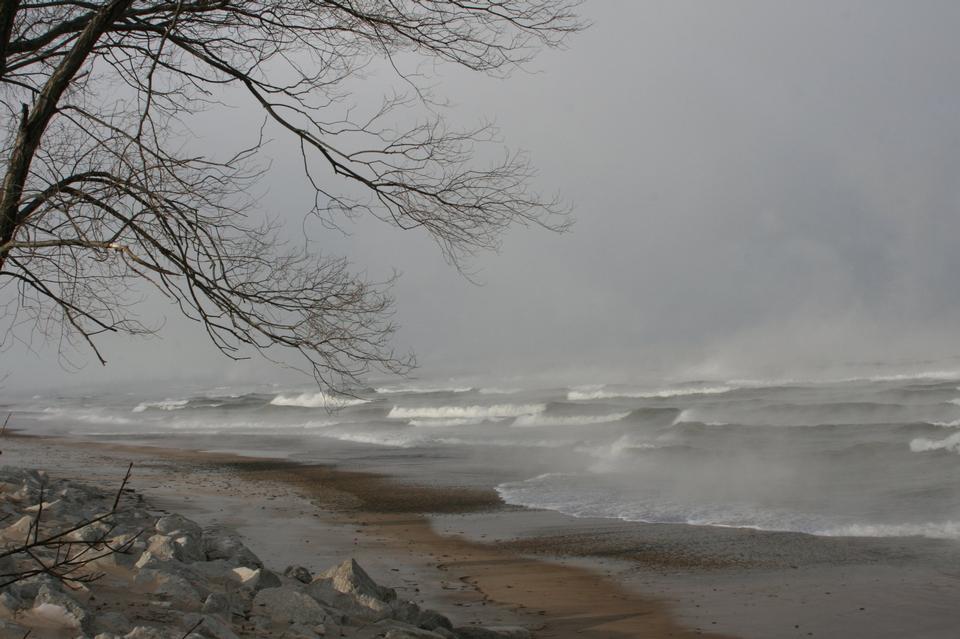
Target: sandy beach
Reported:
point(462, 552)
point(315, 516)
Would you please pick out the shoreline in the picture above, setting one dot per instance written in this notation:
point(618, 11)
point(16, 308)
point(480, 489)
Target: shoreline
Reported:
point(465, 558)
point(390, 521)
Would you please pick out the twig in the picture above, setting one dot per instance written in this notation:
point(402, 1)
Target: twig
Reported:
point(3, 431)
point(192, 628)
point(126, 478)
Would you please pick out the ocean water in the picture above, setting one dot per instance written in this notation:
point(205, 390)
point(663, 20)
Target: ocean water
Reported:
point(868, 456)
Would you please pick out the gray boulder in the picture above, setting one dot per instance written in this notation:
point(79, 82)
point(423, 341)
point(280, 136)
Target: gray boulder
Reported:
point(255, 579)
point(210, 627)
point(175, 525)
point(229, 548)
point(111, 622)
point(350, 579)
point(59, 609)
point(285, 606)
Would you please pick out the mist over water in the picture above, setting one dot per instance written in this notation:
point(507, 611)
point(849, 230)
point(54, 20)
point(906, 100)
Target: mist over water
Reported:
point(873, 455)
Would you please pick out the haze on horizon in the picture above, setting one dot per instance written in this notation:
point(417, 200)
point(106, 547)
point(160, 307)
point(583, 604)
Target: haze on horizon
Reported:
point(758, 186)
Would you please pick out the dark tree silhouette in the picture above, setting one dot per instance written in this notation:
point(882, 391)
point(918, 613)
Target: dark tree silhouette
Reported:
point(100, 195)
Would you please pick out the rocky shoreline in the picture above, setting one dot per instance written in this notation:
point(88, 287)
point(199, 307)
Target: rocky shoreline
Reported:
point(75, 566)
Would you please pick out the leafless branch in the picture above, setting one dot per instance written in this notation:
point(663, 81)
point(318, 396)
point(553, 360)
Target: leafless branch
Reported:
point(102, 193)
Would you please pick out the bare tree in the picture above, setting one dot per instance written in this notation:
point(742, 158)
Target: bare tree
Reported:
point(101, 191)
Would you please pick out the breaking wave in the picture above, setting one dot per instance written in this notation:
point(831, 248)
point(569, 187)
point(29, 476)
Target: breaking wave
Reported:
point(923, 445)
point(317, 400)
point(567, 420)
point(441, 423)
point(590, 394)
point(421, 390)
point(466, 412)
point(166, 404)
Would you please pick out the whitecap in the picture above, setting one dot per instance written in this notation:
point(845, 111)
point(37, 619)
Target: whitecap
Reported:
point(923, 445)
point(441, 423)
point(419, 390)
point(567, 420)
point(317, 400)
point(587, 395)
point(166, 404)
point(465, 412)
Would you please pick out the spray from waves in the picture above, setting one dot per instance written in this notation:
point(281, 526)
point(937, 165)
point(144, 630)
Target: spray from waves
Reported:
point(609, 456)
point(85, 416)
point(196, 425)
point(591, 394)
point(317, 400)
point(421, 390)
point(466, 412)
point(570, 420)
point(923, 445)
point(166, 404)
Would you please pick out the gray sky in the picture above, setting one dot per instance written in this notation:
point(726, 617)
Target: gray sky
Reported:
point(760, 187)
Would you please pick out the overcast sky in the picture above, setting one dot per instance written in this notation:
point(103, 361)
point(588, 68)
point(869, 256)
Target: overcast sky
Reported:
point(758, 186)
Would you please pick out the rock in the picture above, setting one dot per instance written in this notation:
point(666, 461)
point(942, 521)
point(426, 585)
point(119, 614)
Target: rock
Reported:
point(173, 524)
point(19, 529)
point(11, 629)
point(299, 573)
point(399, 630)
point(433, 620)
point(179, 592)
point(174, 588)
point(216, 604)
point(350, 579)
point(368, 610)
point(49, 507)
point(58, 608)
point(286, 606)
point(149, 632)
point(256, 579)
point(491, 632)
point(187, 536)
point(111, 622)
point(230, 549)
point(169, 548)
point(91, 532)
point(27, 589)
point(132, 551)
point(210, 627)
point(190, 548)
point(10, 604)
point(300, 631)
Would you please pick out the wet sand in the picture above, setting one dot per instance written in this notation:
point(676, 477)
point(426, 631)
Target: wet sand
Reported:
point(315, 516)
